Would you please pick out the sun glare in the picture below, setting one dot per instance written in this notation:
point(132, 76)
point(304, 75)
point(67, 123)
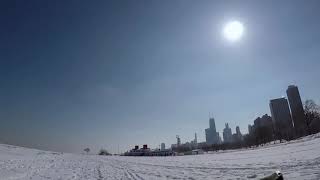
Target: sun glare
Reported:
point(233, 31)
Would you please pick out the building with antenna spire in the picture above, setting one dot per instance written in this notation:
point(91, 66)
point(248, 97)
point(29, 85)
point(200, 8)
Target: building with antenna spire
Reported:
point(212, 136)
point(227, 134)
point(163, 146)
point(178, 140)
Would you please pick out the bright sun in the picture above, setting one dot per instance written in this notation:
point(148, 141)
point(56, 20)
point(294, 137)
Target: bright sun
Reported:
point(233, 30)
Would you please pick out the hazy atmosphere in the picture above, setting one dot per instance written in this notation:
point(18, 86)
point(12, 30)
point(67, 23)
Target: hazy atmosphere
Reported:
point(112, 74)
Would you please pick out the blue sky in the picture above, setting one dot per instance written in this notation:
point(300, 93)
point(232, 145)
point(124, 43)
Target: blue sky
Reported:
point(78, 74)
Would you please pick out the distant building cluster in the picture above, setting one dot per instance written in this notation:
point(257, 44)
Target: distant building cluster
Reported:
point(213, 137)
point(288, 119)
point(261, 122)
point(193, 144)
point(262, 129)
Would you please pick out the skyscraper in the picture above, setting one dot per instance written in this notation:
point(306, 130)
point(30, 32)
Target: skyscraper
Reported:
point(238, 136)
point(212, 124)
point(163, 146)
point(297, 111)
point(262, 129)
point(227, 134)
point(250, 128)
point(281, 118)
point(264, 121)
point(212, 136)
point(178, 140)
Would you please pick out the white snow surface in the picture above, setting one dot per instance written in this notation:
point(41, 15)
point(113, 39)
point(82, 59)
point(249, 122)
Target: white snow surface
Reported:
point(298, 159)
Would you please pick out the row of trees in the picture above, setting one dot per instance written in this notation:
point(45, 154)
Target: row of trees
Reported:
point(101, 152)
point(312, 114)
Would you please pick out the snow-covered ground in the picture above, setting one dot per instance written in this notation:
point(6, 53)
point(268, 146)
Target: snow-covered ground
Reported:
point(299, 159)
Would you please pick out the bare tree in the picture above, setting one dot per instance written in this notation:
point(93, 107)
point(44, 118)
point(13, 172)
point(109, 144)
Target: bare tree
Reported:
point(104, 152)
point(311, 106)
point(312, 114)
point(87, 150)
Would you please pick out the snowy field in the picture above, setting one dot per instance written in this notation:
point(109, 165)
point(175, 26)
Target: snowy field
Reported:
point(299, 159)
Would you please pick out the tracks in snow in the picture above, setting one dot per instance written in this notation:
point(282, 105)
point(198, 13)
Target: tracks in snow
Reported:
point(132, 175)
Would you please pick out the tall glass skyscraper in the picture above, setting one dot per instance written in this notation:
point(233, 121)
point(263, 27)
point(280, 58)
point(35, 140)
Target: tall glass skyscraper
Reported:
point(281, 118)
point(297, 111)
point(212, 136)
point(227, 134)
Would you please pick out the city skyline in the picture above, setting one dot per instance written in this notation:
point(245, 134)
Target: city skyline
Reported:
point(287, 121)
point(111, 74)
